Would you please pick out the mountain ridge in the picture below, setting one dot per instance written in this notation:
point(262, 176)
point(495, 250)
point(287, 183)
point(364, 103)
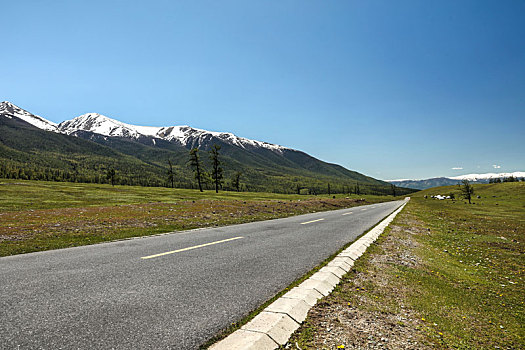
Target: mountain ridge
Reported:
point(101, 124)
point(265, 166)
point(11, 110)
point(422, 184)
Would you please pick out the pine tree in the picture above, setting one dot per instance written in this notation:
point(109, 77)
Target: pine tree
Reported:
point(171, 177)
point(467, 190)
point(111, 176)
point(216, 174)
point(196, 164)
point(236, 181)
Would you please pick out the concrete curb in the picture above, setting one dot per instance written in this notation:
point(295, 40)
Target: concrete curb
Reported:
point(275, 324)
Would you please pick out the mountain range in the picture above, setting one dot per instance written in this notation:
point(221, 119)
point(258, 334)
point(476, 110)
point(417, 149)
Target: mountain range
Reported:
point(448, 181)
point(99, 124)
point(85, 147)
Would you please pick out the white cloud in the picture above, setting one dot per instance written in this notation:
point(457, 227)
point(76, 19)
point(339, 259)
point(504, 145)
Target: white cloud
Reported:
point(496, 166)
point(457, 168)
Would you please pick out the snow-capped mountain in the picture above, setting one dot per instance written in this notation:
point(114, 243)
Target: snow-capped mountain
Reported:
point(187, 135)
point(184, 135)
point(448, 181)
point(488, 176)
point(102, 125)
point(111, 143)
point(9, 110)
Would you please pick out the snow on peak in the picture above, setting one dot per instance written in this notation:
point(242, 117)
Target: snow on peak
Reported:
point(103, 125)
point(9, 110)
point(470, 177)
point(187, 135)
point(100, 124)
point(487, 176)
point(183, 134)
point(400, 180)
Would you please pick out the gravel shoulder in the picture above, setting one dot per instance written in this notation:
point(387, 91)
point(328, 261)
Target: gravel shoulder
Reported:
point(367, 310)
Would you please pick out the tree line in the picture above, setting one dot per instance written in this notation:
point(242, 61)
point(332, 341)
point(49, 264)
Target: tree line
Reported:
point(197, 174)
point(505, 179)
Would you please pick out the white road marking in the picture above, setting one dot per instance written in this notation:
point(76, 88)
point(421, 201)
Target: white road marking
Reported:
point(190, 248)
point(363, 209)
point(350, 212)
point(309, 222)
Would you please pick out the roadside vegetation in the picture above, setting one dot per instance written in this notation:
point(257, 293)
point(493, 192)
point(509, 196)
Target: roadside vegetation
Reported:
point(445, 274)
point(39, 215)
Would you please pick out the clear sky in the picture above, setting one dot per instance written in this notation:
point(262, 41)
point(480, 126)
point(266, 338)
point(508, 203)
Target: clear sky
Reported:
point(392, 89)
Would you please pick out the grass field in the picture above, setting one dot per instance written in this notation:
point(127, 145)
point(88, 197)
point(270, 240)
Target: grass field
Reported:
point(38, 215)
point(445, 275)
point(23, 195)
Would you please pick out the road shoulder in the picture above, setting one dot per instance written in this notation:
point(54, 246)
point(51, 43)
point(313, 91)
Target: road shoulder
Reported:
point(367, 310)
point(279, 320)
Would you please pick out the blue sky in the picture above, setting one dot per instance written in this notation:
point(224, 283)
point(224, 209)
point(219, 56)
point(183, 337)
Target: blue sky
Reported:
point(392, 89)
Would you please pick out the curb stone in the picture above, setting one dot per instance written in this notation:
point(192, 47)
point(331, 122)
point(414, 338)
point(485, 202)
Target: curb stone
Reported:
point(241, 340)
point(353, 255)
point(321, 286)
point(310, 296)
point(275, 324)
point(342, 265)
point(343, 259)
point(328, 277)
point(336, 270)
point(297, 309)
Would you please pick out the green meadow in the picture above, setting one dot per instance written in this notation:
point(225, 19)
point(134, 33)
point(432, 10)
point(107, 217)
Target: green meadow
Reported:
point(22, 195)
point(39, 215)
point(444, 275)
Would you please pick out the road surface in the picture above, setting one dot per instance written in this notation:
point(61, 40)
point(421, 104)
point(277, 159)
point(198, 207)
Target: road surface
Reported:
point(171, 291)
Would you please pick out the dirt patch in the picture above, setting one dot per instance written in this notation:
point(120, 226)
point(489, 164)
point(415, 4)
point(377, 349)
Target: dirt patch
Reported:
point(367, 310)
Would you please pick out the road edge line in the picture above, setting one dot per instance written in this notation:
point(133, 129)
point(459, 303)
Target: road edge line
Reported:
point(297, 306)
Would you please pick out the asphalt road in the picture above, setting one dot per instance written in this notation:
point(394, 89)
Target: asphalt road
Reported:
point(172, 291)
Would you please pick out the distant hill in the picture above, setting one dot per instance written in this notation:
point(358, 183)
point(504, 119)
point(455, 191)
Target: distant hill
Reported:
point(448, 181)
point(84, 148)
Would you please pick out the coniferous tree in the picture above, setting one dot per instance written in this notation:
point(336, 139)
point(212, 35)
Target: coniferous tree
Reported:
point(196, 164)
point(509, 179)
point(171, 176)
point(111, 176)
point(236, 181)
point(393, 189)
point(467, 190)
point(216, 173)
